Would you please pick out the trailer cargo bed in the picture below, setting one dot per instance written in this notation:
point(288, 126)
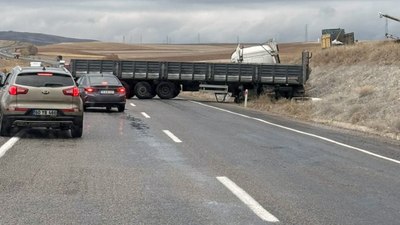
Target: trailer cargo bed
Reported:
point(155, 76)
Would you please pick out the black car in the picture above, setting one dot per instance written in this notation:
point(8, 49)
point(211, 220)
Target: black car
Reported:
point(102, 90)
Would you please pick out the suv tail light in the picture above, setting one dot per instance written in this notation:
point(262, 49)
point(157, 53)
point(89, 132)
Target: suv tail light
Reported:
point(74, 92)
point(121, 90)
point(16, 90)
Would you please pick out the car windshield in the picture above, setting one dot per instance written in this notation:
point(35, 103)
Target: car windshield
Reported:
point(103, 80)
point(45, 80)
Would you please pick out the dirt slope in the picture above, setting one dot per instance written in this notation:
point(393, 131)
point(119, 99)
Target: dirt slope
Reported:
point(359, 87)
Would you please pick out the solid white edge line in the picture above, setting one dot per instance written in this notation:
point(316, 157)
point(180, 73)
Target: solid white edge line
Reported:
point(132, 104)
point(172, 136)
point(304, 133)
point(145, 115)
point(248, 200)
point(9, 144)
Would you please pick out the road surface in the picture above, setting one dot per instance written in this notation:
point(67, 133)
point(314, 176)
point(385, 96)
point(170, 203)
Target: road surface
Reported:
point(186, 162)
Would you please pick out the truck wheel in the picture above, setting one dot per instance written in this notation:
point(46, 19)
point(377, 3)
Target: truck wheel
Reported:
point(239, 98)
point(177, 90)
point(130, 95)
point(166, 90)
point(128, 92)
point(143, 90)
point(177, 93)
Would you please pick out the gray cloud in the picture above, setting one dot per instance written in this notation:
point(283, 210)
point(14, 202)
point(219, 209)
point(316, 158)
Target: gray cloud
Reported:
point(184, 20)
point(327, 11)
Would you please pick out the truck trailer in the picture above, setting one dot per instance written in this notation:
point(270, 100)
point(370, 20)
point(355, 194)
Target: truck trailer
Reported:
point(146, 79)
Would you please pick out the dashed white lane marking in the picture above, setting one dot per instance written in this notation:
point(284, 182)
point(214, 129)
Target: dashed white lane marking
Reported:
point(145, 115)
point(172, 136)
point(132, 104)
point(10, 143)
point(248, 200)
point(304, 133)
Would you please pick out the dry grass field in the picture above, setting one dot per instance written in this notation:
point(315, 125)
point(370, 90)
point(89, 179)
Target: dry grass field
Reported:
point(290, 53)
point(358, 84)
point(359, 89)
point(99, 50)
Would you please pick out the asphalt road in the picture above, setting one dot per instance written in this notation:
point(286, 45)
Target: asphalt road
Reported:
point(183, 162)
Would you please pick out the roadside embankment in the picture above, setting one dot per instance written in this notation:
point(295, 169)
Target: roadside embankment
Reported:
point(359, 87)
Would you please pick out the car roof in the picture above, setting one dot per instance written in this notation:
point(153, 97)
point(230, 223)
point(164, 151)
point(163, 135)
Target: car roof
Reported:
point(100, 74)
point(43, 69)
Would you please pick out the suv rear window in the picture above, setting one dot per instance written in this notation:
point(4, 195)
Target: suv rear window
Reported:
point(102, 80)
point(45, 79)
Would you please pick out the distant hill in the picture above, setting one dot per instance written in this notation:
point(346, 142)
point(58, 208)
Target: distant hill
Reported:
point(37, 38)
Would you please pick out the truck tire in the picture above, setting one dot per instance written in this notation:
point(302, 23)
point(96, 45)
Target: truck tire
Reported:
point(166, 90)
point(177, 90)
point(143, 90)
point(239, 98)
point(128, 92)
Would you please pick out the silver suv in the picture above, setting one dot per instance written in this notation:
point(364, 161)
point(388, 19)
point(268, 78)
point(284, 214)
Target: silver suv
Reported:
point(40, 97)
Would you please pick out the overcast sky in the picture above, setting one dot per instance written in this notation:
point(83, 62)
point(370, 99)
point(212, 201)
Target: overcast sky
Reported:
point(191, 21)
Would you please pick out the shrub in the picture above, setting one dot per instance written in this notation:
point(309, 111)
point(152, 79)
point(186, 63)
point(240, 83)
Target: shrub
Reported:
point(397, 126)
point(29, 50)
point(365, 91)
point(111, 57)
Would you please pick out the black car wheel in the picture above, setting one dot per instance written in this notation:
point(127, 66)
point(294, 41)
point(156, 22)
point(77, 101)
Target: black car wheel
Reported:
point(121, 108)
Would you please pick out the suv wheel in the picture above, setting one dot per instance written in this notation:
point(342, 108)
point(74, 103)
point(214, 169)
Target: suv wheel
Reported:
point(4, 127)
point(77, 130)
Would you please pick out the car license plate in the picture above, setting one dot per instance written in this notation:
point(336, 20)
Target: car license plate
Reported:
point(44, 112)
point(107, 92)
